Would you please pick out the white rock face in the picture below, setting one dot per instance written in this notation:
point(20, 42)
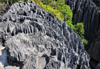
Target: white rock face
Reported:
point(3, 59)
point(35, 39)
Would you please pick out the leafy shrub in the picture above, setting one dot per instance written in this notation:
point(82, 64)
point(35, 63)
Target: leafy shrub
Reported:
point(1, 4)
point(79, 29)
point(47, 1)
point(99, 11)
point(50, 9)
point(85, 42)
point(0, 11)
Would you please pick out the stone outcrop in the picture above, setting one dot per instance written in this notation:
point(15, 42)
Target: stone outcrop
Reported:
point(87, 12)
point(94, 52)
point(94, 49)
point(35, 39)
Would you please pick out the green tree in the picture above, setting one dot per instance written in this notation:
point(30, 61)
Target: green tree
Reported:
point(47, 1)
point(61, 1)
point(79, 29)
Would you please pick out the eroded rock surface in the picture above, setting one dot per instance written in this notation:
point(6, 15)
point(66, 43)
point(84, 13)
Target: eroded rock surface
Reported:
point(35, 39)
point(94, 52)
point(3, 59)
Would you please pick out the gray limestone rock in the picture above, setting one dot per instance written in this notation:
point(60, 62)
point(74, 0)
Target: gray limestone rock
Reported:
point(35, 39)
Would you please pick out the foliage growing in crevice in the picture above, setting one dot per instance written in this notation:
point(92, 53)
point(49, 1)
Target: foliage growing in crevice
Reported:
point(99, 12)
point(79, 29)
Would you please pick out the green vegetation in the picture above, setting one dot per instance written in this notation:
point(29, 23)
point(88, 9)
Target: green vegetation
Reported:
point(79, 29)
point(62, 12)
point(0, 11)
point(1, 4)
point(99, 11)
